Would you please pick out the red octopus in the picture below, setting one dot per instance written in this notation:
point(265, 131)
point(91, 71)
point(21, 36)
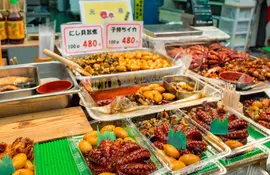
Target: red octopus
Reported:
point(206, 113)
point(123, 158)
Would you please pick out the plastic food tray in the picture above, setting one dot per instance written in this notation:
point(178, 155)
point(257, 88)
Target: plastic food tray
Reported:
point(88, 102)
point(175, 68)
point(81, 163)
point(213, 153)
point(252, 142)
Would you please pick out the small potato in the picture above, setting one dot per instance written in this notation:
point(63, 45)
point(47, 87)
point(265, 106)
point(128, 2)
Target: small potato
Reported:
point(85, 146)
point(177, 165)
point(121, 68)
point(171, 151)
point(89, 134)
point(23, 172)
point(189, 159)
point(107, 173)
point(233, 144)
point(159, 89)
point(120, 132)
point(92, 140)
point(28, 165)
point(168, 96)
point(19, 160)
point(107, 127)
point(129, 139)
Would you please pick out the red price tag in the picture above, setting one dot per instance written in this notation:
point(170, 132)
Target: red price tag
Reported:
point(82, 38)
point(90, 43)
point(124, 35)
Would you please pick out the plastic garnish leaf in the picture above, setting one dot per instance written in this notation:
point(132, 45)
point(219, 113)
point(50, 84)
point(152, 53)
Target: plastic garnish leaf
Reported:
point(6, 166)
point(107, 135)
point(219, 127)
point(177, 139)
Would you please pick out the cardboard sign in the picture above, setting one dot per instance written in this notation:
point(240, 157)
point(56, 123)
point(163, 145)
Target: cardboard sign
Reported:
point(82, 38)
point(124, 35)
point(100, 11)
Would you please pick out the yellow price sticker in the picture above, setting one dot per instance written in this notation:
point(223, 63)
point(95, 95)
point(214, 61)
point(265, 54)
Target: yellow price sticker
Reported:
point(98, 12)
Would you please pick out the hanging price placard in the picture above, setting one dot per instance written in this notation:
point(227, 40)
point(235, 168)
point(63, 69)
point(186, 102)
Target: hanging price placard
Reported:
point(124, 35)
point(82, 38)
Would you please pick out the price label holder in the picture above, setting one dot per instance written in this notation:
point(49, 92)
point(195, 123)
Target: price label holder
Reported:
point(78, 39)
point(124, 35)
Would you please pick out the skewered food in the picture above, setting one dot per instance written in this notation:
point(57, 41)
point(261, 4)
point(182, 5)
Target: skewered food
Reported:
point(107, 63)
point(122, 156)
point(259, 111)
point(206, 113)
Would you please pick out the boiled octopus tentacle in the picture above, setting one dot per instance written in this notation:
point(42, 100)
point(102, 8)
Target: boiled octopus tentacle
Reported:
point(204, 116)
point(264, 123)
point(96, 170)
point(238, 124)
point(159, 145)
point(204, 125)
point(196, 146)
point(96, 157)
point(264, 117)
point(238, 134)
point(135, 156)
point(136, 168)
point(130, 146)
point(105, 147)
point(161, 132)
point(179, 127)
point(192, 133)
point(232, 117)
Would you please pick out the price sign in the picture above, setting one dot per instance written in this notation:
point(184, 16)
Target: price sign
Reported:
point(124, 35)
point(82, 38)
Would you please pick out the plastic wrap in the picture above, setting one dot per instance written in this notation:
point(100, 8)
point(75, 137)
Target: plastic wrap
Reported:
point(252, 142)
point(213, 153)
point(80, 161)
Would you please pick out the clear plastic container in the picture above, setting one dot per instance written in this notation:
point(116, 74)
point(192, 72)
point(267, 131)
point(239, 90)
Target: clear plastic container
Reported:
point(209, 157)
point(80, 161)
point(237, 13)
point(233, 27)
point(252, 142)
point(90, 105)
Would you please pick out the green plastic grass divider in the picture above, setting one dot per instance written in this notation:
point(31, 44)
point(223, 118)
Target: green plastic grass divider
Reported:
point(54, 158)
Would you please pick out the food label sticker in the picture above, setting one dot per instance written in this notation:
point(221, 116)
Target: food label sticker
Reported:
point(82, 38)
point(100, 11)
point(178, 139)
point(124, 35)
point(107, 135)
point(219, 127)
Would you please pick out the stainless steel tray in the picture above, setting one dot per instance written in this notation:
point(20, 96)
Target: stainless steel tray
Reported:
point(88, 102)
point(220, 84)
point(177, 67)
point(170, 30)
point(25, 71)
point(178, 78)
point(47, 71)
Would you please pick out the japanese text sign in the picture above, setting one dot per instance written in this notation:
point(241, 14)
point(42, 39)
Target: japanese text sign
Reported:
point(124, 35)
point(100, 11)
point(82, 38)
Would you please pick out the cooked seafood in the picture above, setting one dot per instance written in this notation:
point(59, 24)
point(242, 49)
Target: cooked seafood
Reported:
point(106, 63)
point(183, 86)
point(13, 80)
point(151, 94)
point(8, 88)
point(259, 111)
